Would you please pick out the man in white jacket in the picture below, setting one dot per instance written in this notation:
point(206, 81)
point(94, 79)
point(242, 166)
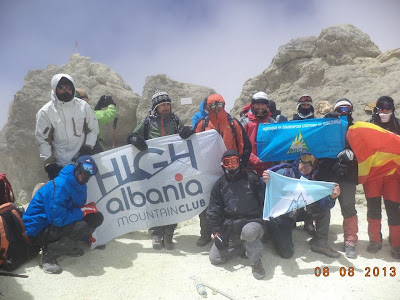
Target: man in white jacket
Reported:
point(66, 126)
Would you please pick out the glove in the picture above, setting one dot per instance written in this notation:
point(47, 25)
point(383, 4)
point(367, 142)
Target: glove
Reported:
point(333, 114)
point(220, 241)
point(52, 170)
point(346, 155)
point(85, 150)
point(186, 132)
point(104, 102)
point(89, 209)
point(137, 141)
point(109, 101)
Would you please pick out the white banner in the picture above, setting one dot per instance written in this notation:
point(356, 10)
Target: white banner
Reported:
point(166, 184)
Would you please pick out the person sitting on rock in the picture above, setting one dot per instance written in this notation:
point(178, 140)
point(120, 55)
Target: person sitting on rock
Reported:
point(57, 217)
point(235, 214)
point(160, 122)
point(282, 226)
point(66, 127)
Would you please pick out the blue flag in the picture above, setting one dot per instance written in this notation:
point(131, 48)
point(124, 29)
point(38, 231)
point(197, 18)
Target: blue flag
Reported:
point(284, 194)
point(285, 140)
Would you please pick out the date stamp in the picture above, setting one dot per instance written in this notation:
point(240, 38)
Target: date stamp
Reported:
point(350, 272)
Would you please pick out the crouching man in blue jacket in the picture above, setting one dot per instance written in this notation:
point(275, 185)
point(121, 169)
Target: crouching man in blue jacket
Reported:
point(57, 217)
point(282, 226)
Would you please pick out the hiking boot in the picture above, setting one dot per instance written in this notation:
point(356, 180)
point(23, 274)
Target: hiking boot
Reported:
point(258, 270)
point(168, 243)
point(203, 240)
point(49, 264)
point(374, 247)
point(350, 251)
point(325, 249)
point(309, 227)
point(396, 252)
point(76, 252)
point(157, 242)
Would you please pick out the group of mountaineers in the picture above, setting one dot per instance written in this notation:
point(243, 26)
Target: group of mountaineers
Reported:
point(67, 130)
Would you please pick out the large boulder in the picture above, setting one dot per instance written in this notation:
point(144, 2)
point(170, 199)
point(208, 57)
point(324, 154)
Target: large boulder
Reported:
point(19, 152)
point(341, 62)
point(177, 91)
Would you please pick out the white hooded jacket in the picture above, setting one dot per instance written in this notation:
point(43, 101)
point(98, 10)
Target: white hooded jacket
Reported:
point(63, 127)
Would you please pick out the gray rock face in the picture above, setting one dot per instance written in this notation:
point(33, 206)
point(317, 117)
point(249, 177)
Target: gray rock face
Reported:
point(341, 62)
point(176, 91)
point(19, 152)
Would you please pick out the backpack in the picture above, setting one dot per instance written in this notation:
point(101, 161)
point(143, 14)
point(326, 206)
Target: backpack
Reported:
point(15, 247)
point(6, 191)
point(287, 166)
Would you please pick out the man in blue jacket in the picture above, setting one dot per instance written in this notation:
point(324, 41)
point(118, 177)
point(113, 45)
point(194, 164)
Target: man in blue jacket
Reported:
point(202, 113)
point(282, 226)
point(57, 217)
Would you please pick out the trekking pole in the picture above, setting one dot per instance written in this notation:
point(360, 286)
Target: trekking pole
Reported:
point(115, 131)
point(12, 274)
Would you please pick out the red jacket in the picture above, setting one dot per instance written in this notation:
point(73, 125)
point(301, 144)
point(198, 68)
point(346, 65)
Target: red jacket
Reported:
point(250, 123)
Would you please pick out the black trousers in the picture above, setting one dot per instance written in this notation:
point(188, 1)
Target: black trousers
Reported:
point(76, 231)
point(281, 229)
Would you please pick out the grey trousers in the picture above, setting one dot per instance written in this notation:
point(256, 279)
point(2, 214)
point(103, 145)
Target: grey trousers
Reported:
point(249, 240)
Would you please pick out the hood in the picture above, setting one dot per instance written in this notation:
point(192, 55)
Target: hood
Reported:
point(215, 98)
point(54, 82)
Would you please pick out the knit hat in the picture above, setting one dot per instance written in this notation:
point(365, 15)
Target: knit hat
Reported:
point(259, 97)
point(342, 102)
point(158, 98)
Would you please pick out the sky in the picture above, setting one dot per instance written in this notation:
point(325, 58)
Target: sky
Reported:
point(216, 43)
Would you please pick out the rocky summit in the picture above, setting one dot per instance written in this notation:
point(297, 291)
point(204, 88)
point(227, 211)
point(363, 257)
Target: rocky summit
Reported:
point(341, 62)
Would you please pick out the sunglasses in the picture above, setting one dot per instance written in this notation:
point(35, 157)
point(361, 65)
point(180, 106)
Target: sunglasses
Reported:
point(305, 99)
point(216, 104)
point(64, 87)
point(344, 109)
point(308, 159)
point(232, 161)
point(89, 168)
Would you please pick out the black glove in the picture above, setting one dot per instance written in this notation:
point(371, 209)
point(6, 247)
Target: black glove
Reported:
point(109, 101)
point(52, 170)
point(137, 141)
point(220, 241)
point(186, 132)
point(104, 102)
point(333, 114)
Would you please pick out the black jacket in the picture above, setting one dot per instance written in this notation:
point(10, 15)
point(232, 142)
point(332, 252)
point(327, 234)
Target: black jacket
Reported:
point(235, 201)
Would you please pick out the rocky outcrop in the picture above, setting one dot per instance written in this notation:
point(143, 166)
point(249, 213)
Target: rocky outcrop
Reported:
point(19, 152)
point(177, 91)
point(341, 62)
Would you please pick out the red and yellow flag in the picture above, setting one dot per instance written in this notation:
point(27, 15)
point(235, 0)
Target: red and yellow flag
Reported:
point(377, 150)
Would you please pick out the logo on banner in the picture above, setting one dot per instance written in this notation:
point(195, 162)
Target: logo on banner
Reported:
point(297, 204)
point(298, 144)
